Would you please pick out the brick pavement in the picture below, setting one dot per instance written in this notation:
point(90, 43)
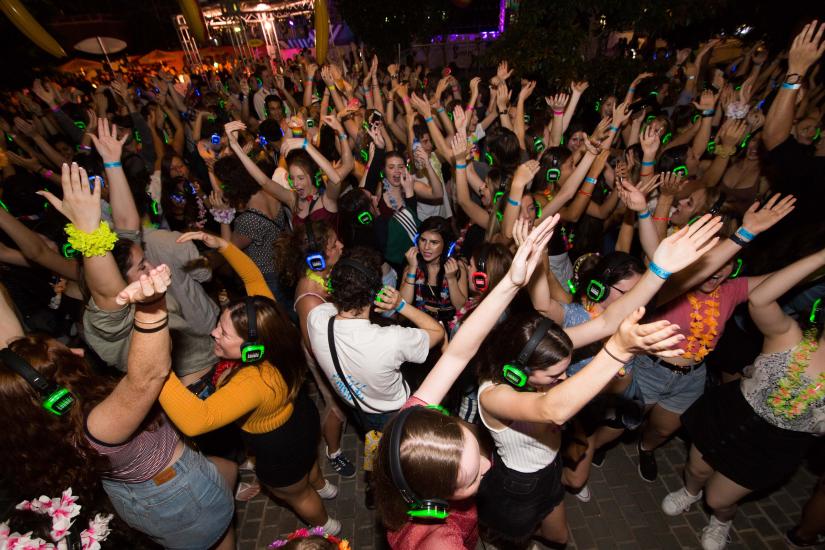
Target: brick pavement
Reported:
point(624, 511)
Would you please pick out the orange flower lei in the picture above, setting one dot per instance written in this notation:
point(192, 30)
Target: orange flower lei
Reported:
point(703, 326)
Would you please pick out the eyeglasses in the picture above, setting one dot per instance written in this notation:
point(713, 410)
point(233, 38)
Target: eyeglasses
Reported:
point(619, 289)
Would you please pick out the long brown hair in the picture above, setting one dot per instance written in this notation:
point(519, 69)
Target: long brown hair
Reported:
point(431, 448)
point(279, 336)
point(41, 453)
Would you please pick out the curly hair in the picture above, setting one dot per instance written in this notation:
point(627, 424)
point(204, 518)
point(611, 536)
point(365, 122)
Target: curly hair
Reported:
point(41, 453)
point(291, 249)
point(512, 336)
point(238, 185)
point(352, 289)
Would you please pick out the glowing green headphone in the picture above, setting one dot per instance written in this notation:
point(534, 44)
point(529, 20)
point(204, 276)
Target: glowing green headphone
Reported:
point(517, 372)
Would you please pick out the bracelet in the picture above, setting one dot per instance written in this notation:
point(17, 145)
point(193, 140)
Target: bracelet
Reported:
point(405, 100)
point(789, 86)
point(739, 240)
point(660, 219)
point(588, 179)
point(607, 351)
point(428, 119)
point(47, 173)
point(460, 166)
point(342, 137)
point(304, 144)
point(394, 76)
point(558, 113)
point(648, 163)
point(745, 234)
point(708, 113)
point(469, 108)
point(223, 216)
point(613, 128)
point(631, 89)
point(400, 305)
point(585, 193)
point(55, 108)
point(512, 202)
point(331, 87)
point(97, 243)
point(115, 164)
point(503, 113)
point(440, 110)
point(644, 215)
point(659, 272)
point(153, 329)
point(365, 88)
point(410, 276)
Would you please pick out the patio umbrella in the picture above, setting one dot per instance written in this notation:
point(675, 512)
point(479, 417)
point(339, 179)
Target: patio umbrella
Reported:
point(76, 65)
point(101, 45)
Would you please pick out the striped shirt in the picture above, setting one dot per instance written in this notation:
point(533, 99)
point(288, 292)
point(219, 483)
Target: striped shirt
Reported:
point(142, 457)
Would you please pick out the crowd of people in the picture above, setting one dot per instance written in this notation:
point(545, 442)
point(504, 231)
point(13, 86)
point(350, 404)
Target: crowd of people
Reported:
point(490, 284)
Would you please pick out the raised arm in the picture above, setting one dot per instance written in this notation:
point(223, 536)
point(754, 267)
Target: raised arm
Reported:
point(81, 206)
point(123, 411)
point(477, 326)
point(286, 196)
point(673, 254)
point(393, 300)
point(781, 331)
point(124, 211)
point(806, 49)
point(477, 214)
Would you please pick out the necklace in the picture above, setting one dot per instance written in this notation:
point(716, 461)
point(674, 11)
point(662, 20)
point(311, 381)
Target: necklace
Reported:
point(314, 277)
point(703, 326)
point(392, 200)
point(792, 397)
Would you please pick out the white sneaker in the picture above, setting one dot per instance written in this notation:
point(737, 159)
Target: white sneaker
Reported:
point(328, 491)
point(332, 526)
point(715, 535)
point(679, 501)
point(584, 494)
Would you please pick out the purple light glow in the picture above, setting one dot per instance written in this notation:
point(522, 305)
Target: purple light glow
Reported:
point(502, 15)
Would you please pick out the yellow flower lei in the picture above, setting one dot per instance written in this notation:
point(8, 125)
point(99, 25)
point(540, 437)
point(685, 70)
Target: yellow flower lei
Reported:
point(700, 341)
point(97, 243)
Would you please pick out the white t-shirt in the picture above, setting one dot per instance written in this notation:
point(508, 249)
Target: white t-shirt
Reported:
point(370, 357)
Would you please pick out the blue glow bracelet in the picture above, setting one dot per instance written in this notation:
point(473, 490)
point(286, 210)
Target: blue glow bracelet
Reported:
point(745, 234)
point(511, 201)
point(659, 272)
point(643, 216)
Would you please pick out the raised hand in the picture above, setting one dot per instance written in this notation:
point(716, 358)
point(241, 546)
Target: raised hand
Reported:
point(650, 141)
point(212, 241)
point(108, 146)
point(671, 183)
point(579, 87)
point(421, 105)
point(601, 129)
point(620, 114)
point(732, 132)
point(502, 97)
point(290, 144)
point(387, 300)
point(45, 93)
point(653, 338)
point(529, 254)
point(525, 173)
point(527, 88)
point(411, 255)
point(806, 48)
point(459, 118)
point(558, 102)
point(25, 127)
point(632, 196)
point(688, 244)
point(706, 101)
point(451, 268)
point(474, 82)
point(334, 123)
point(639, 78)
point(503, 72)
point(80, 204)
point(458, 146)
point(231, 129)
point(682, 55)
point(147, 289)
point(407, 182)
point(757, 220)
point(30, 164)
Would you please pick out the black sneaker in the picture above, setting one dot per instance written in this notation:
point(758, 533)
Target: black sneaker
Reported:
point(794, 541)
point(648, 470)
point(598, 457)
point(342, 465)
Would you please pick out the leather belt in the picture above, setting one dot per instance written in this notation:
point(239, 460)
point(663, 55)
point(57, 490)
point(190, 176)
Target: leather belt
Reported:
point(675, 368)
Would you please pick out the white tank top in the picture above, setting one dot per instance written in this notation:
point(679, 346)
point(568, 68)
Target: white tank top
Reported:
point(523, 446)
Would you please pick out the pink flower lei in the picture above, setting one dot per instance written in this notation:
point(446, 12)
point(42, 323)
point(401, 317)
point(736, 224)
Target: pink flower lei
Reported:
point(341, 544)
point(62, 510)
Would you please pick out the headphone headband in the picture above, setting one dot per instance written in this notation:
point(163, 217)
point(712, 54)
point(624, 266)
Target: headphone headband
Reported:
point(419, 508)
point(314, 256)
point(359, 267)
point(55, 399)
point(252, 351)
point(534, 340)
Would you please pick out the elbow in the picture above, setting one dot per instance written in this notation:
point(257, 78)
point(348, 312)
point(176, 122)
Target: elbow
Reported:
point(556, 412)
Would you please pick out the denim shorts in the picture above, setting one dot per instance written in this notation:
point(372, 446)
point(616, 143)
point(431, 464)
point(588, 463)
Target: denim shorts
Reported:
point(671, 390)
point(191, 511)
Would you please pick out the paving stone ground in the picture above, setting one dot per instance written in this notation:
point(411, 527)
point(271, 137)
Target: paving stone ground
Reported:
point(623, 513)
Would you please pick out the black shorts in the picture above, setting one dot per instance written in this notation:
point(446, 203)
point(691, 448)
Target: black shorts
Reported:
point(285, 455)
point(512, 504)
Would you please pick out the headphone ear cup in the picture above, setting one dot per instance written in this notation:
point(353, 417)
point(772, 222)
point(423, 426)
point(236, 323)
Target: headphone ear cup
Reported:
point(597, 291)
point(516, 375)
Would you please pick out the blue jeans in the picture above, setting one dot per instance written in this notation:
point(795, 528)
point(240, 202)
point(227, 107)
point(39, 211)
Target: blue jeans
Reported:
point(671, 390)
point(191, 511)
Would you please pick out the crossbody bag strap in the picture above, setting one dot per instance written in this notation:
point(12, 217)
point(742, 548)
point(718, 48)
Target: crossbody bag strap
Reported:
point(334, 354)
